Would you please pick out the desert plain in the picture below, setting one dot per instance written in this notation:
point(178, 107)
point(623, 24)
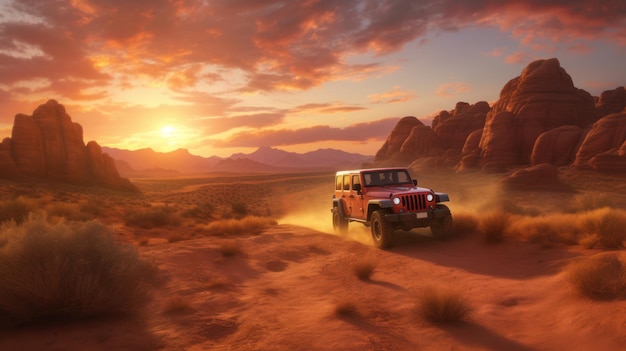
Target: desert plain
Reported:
point(250, 262)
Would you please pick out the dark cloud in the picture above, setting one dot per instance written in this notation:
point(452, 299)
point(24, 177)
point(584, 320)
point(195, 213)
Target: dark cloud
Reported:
point(376, 130)
point(277, 44)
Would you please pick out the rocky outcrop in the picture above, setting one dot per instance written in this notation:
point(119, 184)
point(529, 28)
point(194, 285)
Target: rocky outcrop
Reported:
point(410, 139)
point(540, 177)
point(454, 127)
point(557, 146)
point(542, 98)
point(603, 147)
point(611, 101)
point(48, 145)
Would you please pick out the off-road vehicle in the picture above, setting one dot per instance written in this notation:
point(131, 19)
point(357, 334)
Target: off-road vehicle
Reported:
point(386, 199)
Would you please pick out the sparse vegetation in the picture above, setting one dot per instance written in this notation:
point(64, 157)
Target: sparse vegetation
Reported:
point(247, 225)
point(230, 248)
point(68, 270)
point(589, 201)
point(601, 276)
point(154, 217)
point(364, 268)
point(443, 305)
point(494, 226)
point(17, 209)
point(608, 226)
point(239, 209)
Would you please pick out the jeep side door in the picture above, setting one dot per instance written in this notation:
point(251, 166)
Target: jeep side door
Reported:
point(356, 198)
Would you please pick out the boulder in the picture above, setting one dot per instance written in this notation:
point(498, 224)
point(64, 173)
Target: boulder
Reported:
point(543, 177)
point(542, 98)
point(603, 144)
point(557, 146)
point(470, 154)
point(396, 138)
point(48, 145)
point(410, 139)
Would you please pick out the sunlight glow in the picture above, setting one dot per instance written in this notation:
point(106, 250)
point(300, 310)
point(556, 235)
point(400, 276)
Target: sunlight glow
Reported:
point(167, 131)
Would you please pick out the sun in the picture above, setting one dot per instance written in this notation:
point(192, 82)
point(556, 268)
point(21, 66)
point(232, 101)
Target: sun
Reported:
point(167, 131)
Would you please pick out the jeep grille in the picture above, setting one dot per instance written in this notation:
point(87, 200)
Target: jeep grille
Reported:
point(414, 203)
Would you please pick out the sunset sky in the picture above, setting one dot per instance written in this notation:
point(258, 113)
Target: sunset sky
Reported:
point(224, 76)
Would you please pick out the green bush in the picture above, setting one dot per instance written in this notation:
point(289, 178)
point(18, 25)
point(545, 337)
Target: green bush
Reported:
point(67, 271)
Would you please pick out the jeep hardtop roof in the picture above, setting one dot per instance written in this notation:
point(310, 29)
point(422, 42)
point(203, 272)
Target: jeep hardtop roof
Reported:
point(373, 170)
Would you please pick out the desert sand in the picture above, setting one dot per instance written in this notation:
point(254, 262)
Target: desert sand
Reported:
point(280, 289)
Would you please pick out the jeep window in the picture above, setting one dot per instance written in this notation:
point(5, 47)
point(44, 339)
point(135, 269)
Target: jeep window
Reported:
point(387, 177)
point(356, 179)
point(338, 183)
point(346, 182)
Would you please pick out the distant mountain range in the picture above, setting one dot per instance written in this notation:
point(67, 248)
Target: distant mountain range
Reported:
point(147, 162)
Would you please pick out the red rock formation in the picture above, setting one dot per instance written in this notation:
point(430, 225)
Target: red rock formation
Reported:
point(409, 131)
point(602, 148)
point(540, 177)
point(470, 154)
point(611, 101)
point(556, 146)
point(48, 145)
point(542, 98)
point(454, 127)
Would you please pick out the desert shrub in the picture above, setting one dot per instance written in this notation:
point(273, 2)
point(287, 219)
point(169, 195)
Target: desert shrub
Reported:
point(203, 211)
point(69, 211)
point(552, 228)
point(230, 248)
point(247, 225)
point(68, 270)
point(443, 305)
point(17, 209)
point(494, 226)
point(465, 222)
point(153, 217)
point(589, 240)
point(601, 276)
point(92, 207)
point(346, 308)
point(608, 224)
point(589, 201)
point(239, 209)
point(364, 268)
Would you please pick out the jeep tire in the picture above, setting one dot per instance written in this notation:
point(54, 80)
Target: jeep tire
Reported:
point(382, 231)
point(340, 225)
point(441, 228)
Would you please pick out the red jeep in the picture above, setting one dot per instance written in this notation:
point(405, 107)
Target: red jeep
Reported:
point(387, 199)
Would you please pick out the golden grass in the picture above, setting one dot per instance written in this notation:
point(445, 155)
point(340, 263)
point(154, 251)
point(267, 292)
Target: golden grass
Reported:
point(443, 305)
point(153, 217)
point(246, 225)
point(494, 226)
point(68, 270)
point(601, 276)
point(17, 209)
point(588, 201)
point(609, 225)
point(364, 268)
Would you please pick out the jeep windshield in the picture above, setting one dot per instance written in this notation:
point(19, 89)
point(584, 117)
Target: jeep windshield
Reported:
point(387, 177)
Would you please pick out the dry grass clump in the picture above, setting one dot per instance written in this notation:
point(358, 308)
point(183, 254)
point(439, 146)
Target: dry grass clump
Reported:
point(68, 270)
point(556, 228)
point(589, 201)
point(230, 248)
point(465, 222)
point(443, 305)
point(364, 268)
point(494, 226)
point(154, 217)
point(17, 209)
point(346, 308)
point(606, 225)
point(601, 276)
point(247, 225)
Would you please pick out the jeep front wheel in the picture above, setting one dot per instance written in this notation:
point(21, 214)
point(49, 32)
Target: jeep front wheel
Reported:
point(340, 225)
point(441, 228)
point(382, 230)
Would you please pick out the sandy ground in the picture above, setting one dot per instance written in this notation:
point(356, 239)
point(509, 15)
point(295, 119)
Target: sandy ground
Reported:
point(281, 290)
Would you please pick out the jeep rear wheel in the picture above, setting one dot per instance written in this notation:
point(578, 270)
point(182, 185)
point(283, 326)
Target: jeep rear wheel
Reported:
point(441, 228)
point(340, 225)
point(382, 231)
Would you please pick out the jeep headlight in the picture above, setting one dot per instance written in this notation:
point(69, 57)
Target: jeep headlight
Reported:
point(396, 201)
point(430, 197)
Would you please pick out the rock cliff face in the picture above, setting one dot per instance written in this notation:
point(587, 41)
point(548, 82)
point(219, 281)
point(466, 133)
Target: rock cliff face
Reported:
point(540, 118)
point(48, 145)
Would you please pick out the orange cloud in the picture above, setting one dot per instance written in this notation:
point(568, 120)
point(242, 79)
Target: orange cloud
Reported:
point(453, 89)
point(393, 96)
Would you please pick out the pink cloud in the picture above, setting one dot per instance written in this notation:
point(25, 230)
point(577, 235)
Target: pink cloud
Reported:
point(453, 89)
point(393, 96)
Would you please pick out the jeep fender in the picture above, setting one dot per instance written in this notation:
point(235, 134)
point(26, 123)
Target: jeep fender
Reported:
point(441, 197)
point(339, 204)
point(374, 205)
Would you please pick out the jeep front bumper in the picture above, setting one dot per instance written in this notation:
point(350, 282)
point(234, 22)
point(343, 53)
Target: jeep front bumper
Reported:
point(416, 219)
